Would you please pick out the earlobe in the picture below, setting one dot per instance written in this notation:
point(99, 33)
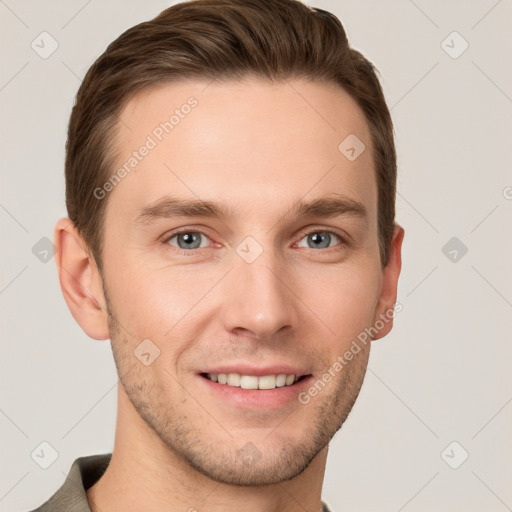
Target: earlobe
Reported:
point(386, 301)
point(80, 281)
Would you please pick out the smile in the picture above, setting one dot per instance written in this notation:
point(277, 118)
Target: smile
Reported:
point(237, 380)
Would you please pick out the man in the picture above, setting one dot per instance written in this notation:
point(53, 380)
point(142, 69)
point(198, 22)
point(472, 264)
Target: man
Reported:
point(230, 184)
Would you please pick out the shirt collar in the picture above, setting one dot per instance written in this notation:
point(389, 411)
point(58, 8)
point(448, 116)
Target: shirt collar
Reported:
point(71, 496)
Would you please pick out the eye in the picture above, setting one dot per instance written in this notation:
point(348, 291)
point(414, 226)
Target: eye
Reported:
point(188, 240)
point(320, 239)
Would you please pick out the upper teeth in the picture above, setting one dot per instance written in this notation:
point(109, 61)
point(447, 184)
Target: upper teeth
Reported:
point(252, 381)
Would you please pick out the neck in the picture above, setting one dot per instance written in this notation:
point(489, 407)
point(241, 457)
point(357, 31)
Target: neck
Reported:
point(145, 474)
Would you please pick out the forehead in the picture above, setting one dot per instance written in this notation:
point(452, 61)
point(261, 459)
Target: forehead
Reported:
point(242, 140)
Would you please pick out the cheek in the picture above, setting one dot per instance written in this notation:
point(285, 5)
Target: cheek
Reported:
point(344, 299)
point(155, 301)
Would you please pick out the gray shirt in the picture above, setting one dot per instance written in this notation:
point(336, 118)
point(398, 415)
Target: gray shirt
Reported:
point(84, 473)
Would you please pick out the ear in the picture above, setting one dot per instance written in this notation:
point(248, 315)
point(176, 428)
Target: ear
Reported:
point(80, 280)
point(390, 273)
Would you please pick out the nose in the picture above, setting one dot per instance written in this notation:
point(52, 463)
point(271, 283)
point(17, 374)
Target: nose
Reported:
point(260, 301)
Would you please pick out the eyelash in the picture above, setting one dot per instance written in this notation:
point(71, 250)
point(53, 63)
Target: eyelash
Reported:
point(192, 252)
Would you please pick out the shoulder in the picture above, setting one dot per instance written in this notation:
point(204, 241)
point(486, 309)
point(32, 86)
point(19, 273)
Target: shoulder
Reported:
point(71, 496)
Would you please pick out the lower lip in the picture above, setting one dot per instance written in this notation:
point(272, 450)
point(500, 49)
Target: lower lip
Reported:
point(257, 398)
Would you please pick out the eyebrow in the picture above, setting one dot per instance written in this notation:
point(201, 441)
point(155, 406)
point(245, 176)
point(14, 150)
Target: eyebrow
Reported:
point(326, 207)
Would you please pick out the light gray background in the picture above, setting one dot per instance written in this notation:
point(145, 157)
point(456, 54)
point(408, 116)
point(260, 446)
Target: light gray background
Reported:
point(442, 375)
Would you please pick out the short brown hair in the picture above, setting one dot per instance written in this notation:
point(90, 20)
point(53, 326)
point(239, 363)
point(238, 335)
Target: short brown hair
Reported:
point(208, 39)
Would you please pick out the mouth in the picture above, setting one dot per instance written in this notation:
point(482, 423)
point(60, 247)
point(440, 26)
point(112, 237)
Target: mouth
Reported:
point(254, 382)
point(245, 386)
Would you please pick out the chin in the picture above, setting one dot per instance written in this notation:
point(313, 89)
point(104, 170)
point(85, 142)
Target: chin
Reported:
point(249, 467)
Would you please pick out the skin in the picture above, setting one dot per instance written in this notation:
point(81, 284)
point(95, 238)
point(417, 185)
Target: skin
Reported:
point(256, 147)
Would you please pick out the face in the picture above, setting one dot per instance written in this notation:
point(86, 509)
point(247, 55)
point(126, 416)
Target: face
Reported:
point(242, 244)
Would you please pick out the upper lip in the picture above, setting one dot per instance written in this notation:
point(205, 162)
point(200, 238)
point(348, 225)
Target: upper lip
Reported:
point(247, 369)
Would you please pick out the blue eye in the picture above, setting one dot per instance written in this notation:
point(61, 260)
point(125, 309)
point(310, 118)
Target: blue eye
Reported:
point(320, 239)
point(188, 240)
